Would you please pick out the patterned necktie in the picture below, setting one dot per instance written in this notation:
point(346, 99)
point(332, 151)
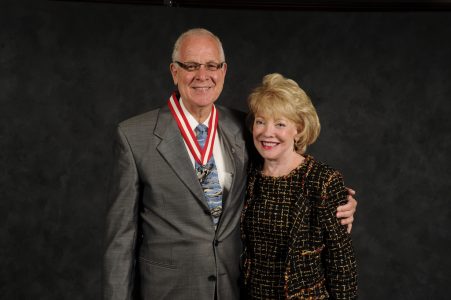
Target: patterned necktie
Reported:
point(208, 178)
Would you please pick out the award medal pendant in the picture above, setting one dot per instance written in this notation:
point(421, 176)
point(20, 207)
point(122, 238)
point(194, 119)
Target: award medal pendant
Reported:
point(201, 156)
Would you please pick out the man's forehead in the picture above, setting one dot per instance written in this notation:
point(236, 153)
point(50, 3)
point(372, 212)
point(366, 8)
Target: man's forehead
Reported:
point(200, 47)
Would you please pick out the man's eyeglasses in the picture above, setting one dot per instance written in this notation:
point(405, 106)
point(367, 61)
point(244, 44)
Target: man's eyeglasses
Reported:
point(193, 66)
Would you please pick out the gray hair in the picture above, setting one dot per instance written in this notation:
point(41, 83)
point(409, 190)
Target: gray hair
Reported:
point(196, 31)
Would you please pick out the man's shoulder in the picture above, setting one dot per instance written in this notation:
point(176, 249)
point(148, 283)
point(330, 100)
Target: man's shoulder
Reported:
point(146, 119)
point(235, 114)
point(232, 116)
point(231, 112)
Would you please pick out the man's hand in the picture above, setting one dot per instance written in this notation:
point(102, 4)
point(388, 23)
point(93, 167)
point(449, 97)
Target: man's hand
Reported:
point(346, 212)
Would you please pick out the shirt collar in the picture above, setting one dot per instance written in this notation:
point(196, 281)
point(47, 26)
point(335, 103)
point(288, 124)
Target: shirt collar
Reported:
point(191, 120)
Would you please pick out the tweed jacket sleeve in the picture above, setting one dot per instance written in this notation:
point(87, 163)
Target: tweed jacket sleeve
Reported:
point(321, 262)
point(338, 254)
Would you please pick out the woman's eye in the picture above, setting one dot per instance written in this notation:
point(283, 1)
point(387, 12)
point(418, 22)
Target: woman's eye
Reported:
point(280, 125)
point(258, 122)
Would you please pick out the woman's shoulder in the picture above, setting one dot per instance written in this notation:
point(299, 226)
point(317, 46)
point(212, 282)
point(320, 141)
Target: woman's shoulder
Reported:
point(319, 174)
point(319, 169)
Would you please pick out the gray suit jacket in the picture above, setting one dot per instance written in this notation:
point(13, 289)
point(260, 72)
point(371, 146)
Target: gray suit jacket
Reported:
point(160, 240)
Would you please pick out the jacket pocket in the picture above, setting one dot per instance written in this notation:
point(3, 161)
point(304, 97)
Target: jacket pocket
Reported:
point(314, 251)
point(156, 263)
point(305, 274)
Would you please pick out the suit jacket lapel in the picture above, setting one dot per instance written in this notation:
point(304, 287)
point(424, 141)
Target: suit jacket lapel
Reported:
point(235, 148)
point(173, 150)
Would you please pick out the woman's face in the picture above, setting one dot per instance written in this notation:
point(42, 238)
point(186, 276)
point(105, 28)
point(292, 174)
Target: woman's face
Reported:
point(274, 137)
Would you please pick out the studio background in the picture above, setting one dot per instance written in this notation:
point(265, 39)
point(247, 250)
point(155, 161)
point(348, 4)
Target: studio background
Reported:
point(69, 72)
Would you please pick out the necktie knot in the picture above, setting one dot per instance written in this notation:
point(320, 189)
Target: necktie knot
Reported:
point(201, 129)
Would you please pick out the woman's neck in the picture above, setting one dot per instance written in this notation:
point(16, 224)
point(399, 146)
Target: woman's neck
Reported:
point(280, 168)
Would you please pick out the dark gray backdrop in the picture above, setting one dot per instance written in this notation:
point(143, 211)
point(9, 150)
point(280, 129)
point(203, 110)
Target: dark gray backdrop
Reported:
point(69, 72)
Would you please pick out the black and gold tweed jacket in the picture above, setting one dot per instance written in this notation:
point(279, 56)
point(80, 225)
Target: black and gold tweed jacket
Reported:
point(320, 262)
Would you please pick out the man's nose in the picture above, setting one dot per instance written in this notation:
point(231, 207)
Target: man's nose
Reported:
point(202, 72)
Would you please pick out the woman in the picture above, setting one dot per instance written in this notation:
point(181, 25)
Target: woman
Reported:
point(295, 247)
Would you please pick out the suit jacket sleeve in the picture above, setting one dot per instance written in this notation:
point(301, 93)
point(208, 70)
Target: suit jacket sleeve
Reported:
point(339, 259)
point(121, 223)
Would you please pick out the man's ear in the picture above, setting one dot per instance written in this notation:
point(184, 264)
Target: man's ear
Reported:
point(173, 69)
point(224, 68)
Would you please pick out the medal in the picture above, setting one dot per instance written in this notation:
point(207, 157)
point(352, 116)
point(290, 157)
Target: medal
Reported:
point(200, 155)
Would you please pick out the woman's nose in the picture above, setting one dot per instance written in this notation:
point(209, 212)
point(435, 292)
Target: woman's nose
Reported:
point(267, 131)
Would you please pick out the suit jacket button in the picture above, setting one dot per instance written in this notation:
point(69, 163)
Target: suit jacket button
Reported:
point(212, 278)
point(216, 242)
point(207, 212)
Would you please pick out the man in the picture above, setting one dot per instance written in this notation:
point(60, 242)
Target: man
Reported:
point(177, 188)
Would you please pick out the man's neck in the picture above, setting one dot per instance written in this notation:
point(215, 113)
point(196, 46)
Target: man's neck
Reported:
point(199, 113)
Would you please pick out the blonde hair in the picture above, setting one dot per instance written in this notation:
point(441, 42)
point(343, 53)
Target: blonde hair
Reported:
point(198, 32)
point(278, 96)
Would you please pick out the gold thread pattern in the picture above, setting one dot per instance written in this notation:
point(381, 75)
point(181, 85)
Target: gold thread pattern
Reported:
point(294, 246)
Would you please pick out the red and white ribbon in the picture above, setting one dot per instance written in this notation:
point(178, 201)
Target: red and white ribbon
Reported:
point(200, 155)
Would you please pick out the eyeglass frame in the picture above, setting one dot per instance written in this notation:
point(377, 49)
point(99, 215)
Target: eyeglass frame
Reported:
point(197, 66)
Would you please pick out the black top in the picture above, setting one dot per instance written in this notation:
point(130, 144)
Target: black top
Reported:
point(294, 244)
